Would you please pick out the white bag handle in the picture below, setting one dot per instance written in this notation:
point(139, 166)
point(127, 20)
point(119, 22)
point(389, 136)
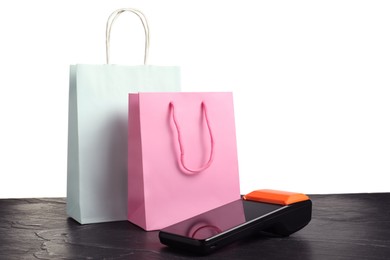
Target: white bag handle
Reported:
point(111, 20)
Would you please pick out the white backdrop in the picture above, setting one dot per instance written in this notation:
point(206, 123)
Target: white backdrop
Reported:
point(311, 82)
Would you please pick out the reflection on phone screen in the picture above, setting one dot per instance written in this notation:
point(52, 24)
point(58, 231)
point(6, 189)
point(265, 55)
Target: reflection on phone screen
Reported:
point(219, 220)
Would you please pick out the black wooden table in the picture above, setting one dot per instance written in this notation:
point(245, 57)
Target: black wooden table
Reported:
point(348, 226)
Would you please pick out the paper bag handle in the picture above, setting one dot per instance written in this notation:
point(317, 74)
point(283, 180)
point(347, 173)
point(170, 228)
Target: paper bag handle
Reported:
point(181, 146)
point(111, 20)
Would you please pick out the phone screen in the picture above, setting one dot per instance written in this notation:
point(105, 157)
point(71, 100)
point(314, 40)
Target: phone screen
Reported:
point(222, 219)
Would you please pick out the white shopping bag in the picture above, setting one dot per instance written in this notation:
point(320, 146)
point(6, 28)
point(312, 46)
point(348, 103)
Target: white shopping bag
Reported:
point(97, 134)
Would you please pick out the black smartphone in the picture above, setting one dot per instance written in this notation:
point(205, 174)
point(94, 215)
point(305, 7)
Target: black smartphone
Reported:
point(214, 229)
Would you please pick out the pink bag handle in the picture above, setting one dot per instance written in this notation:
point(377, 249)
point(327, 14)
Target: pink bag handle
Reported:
point(181, 161)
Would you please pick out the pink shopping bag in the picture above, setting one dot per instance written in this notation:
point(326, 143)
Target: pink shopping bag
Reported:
point(182, 156)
